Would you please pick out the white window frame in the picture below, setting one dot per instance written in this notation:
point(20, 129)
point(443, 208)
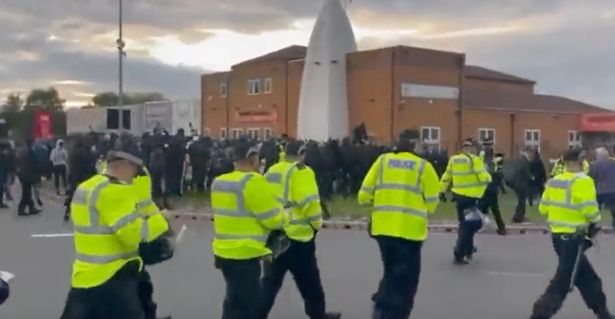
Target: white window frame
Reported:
point(255, 87)
point(223, 133)
point(576, 141)
point(532, 141)
point(254, 133)
point(236, 133)
point(267, 133)
point(267, 85)
point(430, 140)
point(223, 89)
point(486, 131)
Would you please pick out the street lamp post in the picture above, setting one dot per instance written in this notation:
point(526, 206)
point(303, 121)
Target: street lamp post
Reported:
point(121, 53)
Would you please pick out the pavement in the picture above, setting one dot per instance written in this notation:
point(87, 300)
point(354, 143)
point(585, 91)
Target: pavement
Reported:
point(503, 281)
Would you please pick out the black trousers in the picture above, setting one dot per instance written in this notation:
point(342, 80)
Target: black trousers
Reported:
point(243, 287)
point(587, 281)
point(467, 229)
point(300, 261)
point(26, 196)
point(490, 202)
point(118, 298)
point(146, 294)
point(59, 174)
point(522, 195)
point(156, 185)
point(608, 200)
point(198, 177)
point(173, 180)
point(401, 261)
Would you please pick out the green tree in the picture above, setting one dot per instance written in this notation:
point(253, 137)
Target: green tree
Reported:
point(106, 99)
point(13, 103)
point(48, 99)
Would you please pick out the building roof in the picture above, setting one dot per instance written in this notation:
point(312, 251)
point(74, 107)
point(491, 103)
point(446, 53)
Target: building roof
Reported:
point(292, 52)
point(478, 72)
point(486, 99)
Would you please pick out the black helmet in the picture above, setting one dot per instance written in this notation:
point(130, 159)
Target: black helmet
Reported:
point(243, 148)
point(293, 148)
point(126, 150)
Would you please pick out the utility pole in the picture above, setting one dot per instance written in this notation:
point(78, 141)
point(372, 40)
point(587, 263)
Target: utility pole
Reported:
point(121, 53)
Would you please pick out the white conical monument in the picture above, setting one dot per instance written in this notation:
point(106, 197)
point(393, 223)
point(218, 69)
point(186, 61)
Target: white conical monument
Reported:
point(323, 104)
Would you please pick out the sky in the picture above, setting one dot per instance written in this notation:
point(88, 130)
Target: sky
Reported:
point(567, 46)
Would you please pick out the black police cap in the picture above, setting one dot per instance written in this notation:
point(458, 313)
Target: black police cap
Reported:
point(409, 135)
point(126, 150)
point(573, 155)
point(244, 148)
point(293, 148)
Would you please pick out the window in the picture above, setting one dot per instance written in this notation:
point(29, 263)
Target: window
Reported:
point(254, 133)
point(254, 87)
point(574, 139)
point(223, 133)
point(267, 133)
point(486, 134)
point(431, 136)
point(223, 89)
point(236, 133)
point(532, 138)
point(267, 85)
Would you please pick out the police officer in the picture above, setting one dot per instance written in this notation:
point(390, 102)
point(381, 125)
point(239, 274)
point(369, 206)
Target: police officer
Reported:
point(109, 236)
point(490, 198)
point(569, 202)
point(245, 211)
point(402, 190)
point(298, 190)
point(148, 208)
point(469, 177)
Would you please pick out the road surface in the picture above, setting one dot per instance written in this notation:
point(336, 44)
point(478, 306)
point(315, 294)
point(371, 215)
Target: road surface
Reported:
point(508, 274)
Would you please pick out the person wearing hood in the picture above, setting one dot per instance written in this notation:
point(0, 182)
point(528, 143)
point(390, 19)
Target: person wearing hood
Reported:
point(59, 159)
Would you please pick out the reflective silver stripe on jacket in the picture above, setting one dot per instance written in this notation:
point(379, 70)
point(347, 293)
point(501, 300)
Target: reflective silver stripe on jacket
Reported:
point(468, 185)
point(235, 188)
point(144, 203)
point(395, 209)
point(416, 188)
point(80, 197)
point(274, 178)
point(287, 176)
point(94, 259)
point(567, 186)
point(564, 224)
point(259, 238)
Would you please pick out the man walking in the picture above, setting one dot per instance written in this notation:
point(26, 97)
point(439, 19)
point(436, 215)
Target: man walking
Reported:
point(59, 159)
point(402, 190)
point(569, 203)
point(603, 173)
point(28, 173)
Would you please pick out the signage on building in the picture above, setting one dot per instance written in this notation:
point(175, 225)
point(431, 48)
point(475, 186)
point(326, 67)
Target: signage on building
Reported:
point(42, 125)
point(597, 122)
point(256, 117)
point(429, 91)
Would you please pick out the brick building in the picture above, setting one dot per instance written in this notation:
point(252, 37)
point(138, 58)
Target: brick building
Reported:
point(395, 88)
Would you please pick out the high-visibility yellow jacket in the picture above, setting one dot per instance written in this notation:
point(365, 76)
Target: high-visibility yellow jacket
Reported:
point(468, 174)
point(145, 205)
point(402, 190)
point(282, 153)
point(108, 230)
point(298, 190)
point(569, 202)
point(245, 211)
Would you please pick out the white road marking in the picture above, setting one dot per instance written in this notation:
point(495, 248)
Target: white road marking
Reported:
point(51, 235)
point(180, 235)
point(514, 274)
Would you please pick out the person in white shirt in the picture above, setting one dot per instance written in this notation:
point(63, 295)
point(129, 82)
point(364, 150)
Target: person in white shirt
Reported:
point(59, 159)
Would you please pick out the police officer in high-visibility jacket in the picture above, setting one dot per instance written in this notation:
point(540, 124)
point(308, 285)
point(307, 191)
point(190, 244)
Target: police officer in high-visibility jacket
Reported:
point(297, 189)
point(401, 189)
point(560, 167)
point(469, 177)
point(146, 206)
point(569, 203)
point(489, 201)
point(245, 211)
point(109, 235)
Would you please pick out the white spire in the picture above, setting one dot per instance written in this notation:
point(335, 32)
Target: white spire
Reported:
point(323, 105)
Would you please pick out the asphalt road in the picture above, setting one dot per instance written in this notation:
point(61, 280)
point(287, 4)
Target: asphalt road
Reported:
point(508, 274)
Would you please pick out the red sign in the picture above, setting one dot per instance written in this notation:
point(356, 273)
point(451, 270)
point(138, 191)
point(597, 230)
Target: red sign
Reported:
point(42, 125)
point(256, 117)
point(597, 122)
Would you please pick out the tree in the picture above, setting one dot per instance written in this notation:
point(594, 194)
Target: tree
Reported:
point(106, 99)
point(13, 103)
point(48, 99)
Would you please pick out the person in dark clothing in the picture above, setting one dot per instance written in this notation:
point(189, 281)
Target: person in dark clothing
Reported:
point(518, 176)
point(489, 201)
point(539, 178)
point(199, 160)
point(175, 155)
point(27, 171)
point(82, 166)
point(5, 170)
point(156, 165)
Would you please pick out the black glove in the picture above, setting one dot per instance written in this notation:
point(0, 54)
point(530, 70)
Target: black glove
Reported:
point(4, 291)
point(159, 250)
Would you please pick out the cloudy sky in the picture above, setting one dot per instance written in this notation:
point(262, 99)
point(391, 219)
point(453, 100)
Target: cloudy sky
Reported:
point(566, 45)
